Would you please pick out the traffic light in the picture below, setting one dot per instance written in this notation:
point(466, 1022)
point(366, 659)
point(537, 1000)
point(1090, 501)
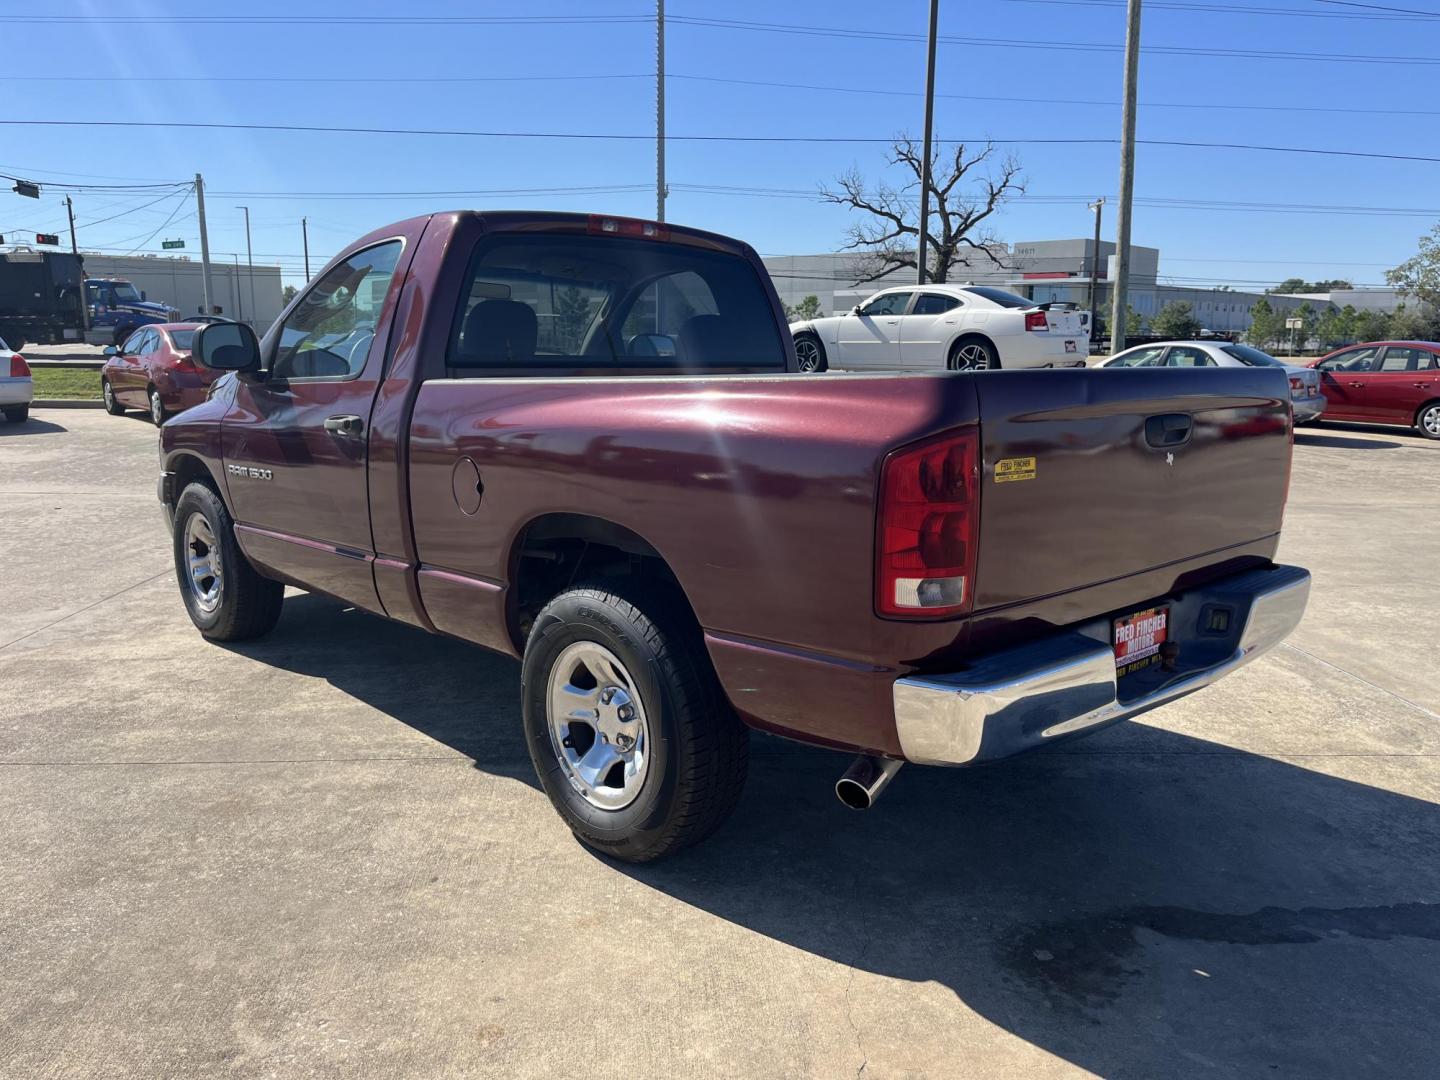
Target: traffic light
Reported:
point(30, 191)
point(50, 238)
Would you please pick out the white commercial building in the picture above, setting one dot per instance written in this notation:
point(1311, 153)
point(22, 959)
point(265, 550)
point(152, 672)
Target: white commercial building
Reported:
point(177, 281)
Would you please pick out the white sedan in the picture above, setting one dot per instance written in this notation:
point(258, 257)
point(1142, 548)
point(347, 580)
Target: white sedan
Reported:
point(17, 388)
point(1306, 399)
point(938, 327)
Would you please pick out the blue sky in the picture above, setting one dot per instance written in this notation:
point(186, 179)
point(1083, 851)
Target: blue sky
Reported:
point(126, 69)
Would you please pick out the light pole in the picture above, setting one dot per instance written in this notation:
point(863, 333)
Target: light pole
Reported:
point(1098, 206)
point(249, 264)
point(1121, 284)
point(925, 151)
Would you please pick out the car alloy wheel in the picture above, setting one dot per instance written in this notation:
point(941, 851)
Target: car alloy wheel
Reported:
point(206, 578)
point(807, 352)
point(598, 728)
point(972, 357)
point(157, 408)
point(108, 393)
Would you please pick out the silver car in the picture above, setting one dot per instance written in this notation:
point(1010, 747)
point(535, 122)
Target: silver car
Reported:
point(1306, 399)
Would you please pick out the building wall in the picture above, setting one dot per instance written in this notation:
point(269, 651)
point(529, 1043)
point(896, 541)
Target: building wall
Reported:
point(177, 282)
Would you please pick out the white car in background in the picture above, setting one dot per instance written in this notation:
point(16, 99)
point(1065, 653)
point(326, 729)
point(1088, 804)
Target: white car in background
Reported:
point(940, 327)
point(17, 388)
point(1307, 401)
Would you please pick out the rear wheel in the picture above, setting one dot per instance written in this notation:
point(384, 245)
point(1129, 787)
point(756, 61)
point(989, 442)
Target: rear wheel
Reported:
point(224, 596)
point(157, 407)
point(810, 353)
point(973, 354)
point(17, 414)
point(1427, 420)
point(628, 730)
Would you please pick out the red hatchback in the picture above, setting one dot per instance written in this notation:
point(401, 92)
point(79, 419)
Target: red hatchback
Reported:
point(1384, 382)
point(153, 371)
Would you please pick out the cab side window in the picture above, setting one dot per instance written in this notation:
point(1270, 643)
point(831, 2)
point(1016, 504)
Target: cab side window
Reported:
point(1185, 356)
point(1148, 356)
point(134, 343)
point(329, 331)
point(889, 304)
point(934, 304)
point(1354, 360)
point(1398, 359)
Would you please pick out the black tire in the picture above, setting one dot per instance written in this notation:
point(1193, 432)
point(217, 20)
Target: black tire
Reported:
point(248, 604)
point(810, 353)
point(107, 395)
point(17, 414)
point(15, 341)
point(697, 748)
point(121, 333)
point(1427, 420)
point(967, 355)
point(158, 415)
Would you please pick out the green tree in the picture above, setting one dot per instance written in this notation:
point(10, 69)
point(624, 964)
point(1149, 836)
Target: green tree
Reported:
point(1372, 326)
point(1134, 324)
point(807, 308)
point(1414, 323)
point(1266, 324)
point(1300, 285)
point(1176, 320)
point(1419, 275)
point(1309, 322)
point(572, 318)
point(287, 294)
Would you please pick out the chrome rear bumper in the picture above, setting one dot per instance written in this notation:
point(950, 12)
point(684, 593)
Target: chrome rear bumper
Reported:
point(1025, 697)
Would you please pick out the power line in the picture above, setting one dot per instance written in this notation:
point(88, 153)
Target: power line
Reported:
point(329, 20)
point(788, 139)
point(1230, 9)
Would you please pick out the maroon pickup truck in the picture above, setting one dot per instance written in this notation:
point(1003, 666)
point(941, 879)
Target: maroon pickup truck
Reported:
point(583, 441)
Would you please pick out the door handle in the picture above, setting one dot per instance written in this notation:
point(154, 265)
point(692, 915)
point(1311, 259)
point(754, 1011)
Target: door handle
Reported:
point(344, 425)
point(1421, 385)
point(1357, 386)
point(1170, 429)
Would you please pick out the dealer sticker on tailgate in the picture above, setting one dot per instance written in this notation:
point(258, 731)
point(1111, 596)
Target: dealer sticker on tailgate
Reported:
point(1138, 638)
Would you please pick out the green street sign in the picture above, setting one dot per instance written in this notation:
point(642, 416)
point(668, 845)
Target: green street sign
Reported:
point(172, 244)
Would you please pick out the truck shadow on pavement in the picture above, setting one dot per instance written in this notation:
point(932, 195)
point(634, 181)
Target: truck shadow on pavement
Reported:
point(32, 426)
point(1140, 903)
point(1315, 438)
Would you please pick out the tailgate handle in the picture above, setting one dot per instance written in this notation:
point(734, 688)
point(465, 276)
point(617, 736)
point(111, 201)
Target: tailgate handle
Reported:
point(1169, 429)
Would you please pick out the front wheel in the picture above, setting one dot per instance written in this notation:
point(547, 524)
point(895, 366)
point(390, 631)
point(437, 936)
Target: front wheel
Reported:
point(107, 394)
point(1428, 420)
point(626, 724)
point(810, 353)
point(224, 596)
point(973, 354)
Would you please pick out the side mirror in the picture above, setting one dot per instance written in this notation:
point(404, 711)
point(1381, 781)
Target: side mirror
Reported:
point(111, 350)
point(855, 310)
point(226, 346)
point(143, 295)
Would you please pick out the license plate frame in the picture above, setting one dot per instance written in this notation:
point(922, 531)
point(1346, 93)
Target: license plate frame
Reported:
point(1137, 640)
point(1070, 347)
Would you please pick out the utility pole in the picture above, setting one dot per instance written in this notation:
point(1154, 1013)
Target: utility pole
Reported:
point(1121, 286)
point(925, 159)
point(235, 288)
point(249, 263)
point(305, 239)
point(204, 242)
point(1098, 206)
point(660, 191)
point(75, 250)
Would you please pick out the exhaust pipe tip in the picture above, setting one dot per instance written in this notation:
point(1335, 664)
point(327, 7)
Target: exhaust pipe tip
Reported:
point(862, 783)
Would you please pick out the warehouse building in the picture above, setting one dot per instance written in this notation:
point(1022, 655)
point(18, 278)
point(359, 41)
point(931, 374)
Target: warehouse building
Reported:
point(1042, 270)
point(177, 282)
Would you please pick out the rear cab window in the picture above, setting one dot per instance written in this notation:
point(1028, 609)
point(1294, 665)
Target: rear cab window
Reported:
point(560, 302)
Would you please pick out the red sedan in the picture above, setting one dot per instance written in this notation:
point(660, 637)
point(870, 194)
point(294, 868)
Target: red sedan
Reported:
point(1384, 382)
point(153, 371)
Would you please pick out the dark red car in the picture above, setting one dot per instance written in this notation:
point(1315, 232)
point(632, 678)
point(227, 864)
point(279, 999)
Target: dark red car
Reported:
point(1384, 382)
point(153, 371)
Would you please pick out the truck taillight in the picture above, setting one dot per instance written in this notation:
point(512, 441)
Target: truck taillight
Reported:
point(1035, 320)
point(601, 225)
point(186, 364)
point(1297, 386)
point(19, 369)
point(927, 528)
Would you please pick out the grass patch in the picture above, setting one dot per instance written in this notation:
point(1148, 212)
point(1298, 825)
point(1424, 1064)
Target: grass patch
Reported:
point(66, 383)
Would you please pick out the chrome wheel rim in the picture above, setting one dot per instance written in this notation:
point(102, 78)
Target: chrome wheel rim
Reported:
point(202, 563)
point(971, 358)
point(157, 407)
point(597, 723)
point(1430, 420)
point(108, 394)
point(808, 354)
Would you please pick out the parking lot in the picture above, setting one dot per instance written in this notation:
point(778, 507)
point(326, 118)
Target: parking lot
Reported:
point(324, 853)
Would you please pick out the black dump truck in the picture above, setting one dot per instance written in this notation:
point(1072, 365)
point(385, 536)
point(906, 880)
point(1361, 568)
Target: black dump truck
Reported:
point(42, 297)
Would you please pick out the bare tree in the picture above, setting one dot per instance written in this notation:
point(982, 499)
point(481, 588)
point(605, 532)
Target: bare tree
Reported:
point(962, 197)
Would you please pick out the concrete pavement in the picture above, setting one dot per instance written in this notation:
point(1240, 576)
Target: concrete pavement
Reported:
point(324, 853)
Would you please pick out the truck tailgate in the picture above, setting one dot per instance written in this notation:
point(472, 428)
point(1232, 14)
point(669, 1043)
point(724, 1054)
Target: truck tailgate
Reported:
point(1090, 476)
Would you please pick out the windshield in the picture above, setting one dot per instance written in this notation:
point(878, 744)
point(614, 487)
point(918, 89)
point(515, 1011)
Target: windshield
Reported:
point(1000, 296)
point(182, 339)
point(1253, 357)
point(126, 293)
